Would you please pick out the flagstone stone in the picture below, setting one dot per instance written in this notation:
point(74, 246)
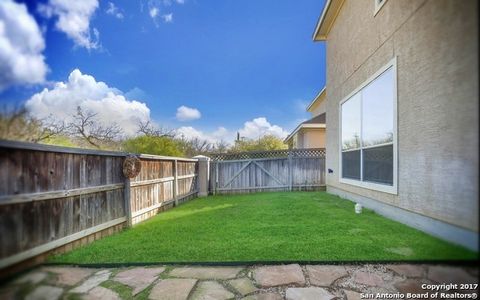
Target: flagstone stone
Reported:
point(243, 285)
point(447, 274)
point(206, 272)
point(308, 293)
point(409, 286)
point(325, 275)
point(264, 296)
point(69, 275)
point(270, 276)
point(367, 278)
point(407, 270)
point(45, 292)
point(211, 290)
point(172, 289)
point(138, 278)
point(92, 282)
point(101, 293)
point(352, 295)
point(32, 277)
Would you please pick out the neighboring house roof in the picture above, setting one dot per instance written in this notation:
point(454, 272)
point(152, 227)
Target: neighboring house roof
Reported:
point(320, 97)
point(327, 18)
point(315, 122)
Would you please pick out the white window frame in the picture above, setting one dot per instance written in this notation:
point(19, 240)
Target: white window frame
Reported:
point(391, 189)
point(378, 5)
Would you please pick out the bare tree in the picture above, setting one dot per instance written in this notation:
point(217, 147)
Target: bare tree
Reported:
point(17, 124)
point(86, 127)
point(221, 147)
point(148, 129)
point(49, 127)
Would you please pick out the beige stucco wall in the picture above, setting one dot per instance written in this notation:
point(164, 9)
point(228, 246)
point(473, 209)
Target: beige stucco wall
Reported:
point(319, 106)
point(436, 45)
point(318, 109)
point(313, 138)
point(309, 138)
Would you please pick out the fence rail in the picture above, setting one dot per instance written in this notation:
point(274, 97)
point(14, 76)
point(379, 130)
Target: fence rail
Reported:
point(278, 170)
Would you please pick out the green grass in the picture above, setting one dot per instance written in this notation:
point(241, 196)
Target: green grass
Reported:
point(297, 226)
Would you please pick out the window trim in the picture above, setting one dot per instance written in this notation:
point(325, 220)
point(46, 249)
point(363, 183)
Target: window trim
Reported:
point(378, 6)
point(393, 189)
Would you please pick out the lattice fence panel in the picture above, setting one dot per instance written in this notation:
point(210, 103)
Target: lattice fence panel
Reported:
point(298, 153)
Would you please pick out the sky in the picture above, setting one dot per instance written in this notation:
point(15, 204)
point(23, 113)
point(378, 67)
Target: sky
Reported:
point(204, 68)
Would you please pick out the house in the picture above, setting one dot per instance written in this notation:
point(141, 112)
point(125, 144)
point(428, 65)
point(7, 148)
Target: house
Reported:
point(311, 133)
point(402, 106)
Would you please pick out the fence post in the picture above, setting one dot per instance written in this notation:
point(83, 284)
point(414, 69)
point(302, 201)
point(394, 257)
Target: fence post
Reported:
point(216, 177)
point(203, 175)
point(175, 181)
point(290, 171)
point(128, 204)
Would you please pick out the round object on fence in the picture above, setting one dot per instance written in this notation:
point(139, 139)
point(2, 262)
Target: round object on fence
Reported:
point(131, 166)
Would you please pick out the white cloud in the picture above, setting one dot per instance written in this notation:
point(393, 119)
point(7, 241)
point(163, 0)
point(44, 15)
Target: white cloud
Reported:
point(253, 129)
point(220, 134)
point(168, 18)
point(185, 113)
point(153, 12)
point(114, 11)
point(83, 90)
point(136, 93)
point(73, 18)
point(180, 1)
point(259, 127)
point(21, 47)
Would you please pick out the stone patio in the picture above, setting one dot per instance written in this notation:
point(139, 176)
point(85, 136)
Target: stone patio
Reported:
point(291, 281)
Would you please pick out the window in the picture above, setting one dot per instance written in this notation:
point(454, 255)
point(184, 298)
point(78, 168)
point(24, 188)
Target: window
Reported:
point(378, 5)
point(368, 133)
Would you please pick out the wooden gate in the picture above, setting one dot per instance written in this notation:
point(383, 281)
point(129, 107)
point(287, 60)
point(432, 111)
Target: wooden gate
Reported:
point(278, 170)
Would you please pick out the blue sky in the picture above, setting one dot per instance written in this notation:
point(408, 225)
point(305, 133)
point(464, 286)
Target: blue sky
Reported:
point(229, 61)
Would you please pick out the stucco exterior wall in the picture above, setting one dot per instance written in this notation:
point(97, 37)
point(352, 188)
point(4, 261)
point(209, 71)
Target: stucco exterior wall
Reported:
point(318, 109)
point(314, 138)
point(436, 46)
point(310, 138)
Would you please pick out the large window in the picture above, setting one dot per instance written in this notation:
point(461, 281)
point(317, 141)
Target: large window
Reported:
point(368, 133)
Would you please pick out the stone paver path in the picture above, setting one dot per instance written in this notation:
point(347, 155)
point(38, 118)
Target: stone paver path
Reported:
point(92, 282)
point(206, 272)
point(257, 282)
point(138, 278)
point(271, 276)
point(211, 290)
point(69, 276)
point(174, 289)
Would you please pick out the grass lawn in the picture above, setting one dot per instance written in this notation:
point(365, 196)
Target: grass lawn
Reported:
point(295, 226)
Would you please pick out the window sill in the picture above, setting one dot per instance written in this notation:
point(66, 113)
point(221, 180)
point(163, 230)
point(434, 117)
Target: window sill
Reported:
point(371, 186)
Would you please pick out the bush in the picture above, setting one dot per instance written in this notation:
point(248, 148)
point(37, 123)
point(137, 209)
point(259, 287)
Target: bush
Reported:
point(265, 143)
point(162, 145)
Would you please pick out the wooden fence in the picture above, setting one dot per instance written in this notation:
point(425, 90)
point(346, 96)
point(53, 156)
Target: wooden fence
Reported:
point(53, 199)
point(278, 170)
point(162, 183)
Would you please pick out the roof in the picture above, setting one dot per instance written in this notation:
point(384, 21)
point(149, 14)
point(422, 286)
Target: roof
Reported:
point(320, 119)
point(327, 18)
point(320, 95)
point(315, 122)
